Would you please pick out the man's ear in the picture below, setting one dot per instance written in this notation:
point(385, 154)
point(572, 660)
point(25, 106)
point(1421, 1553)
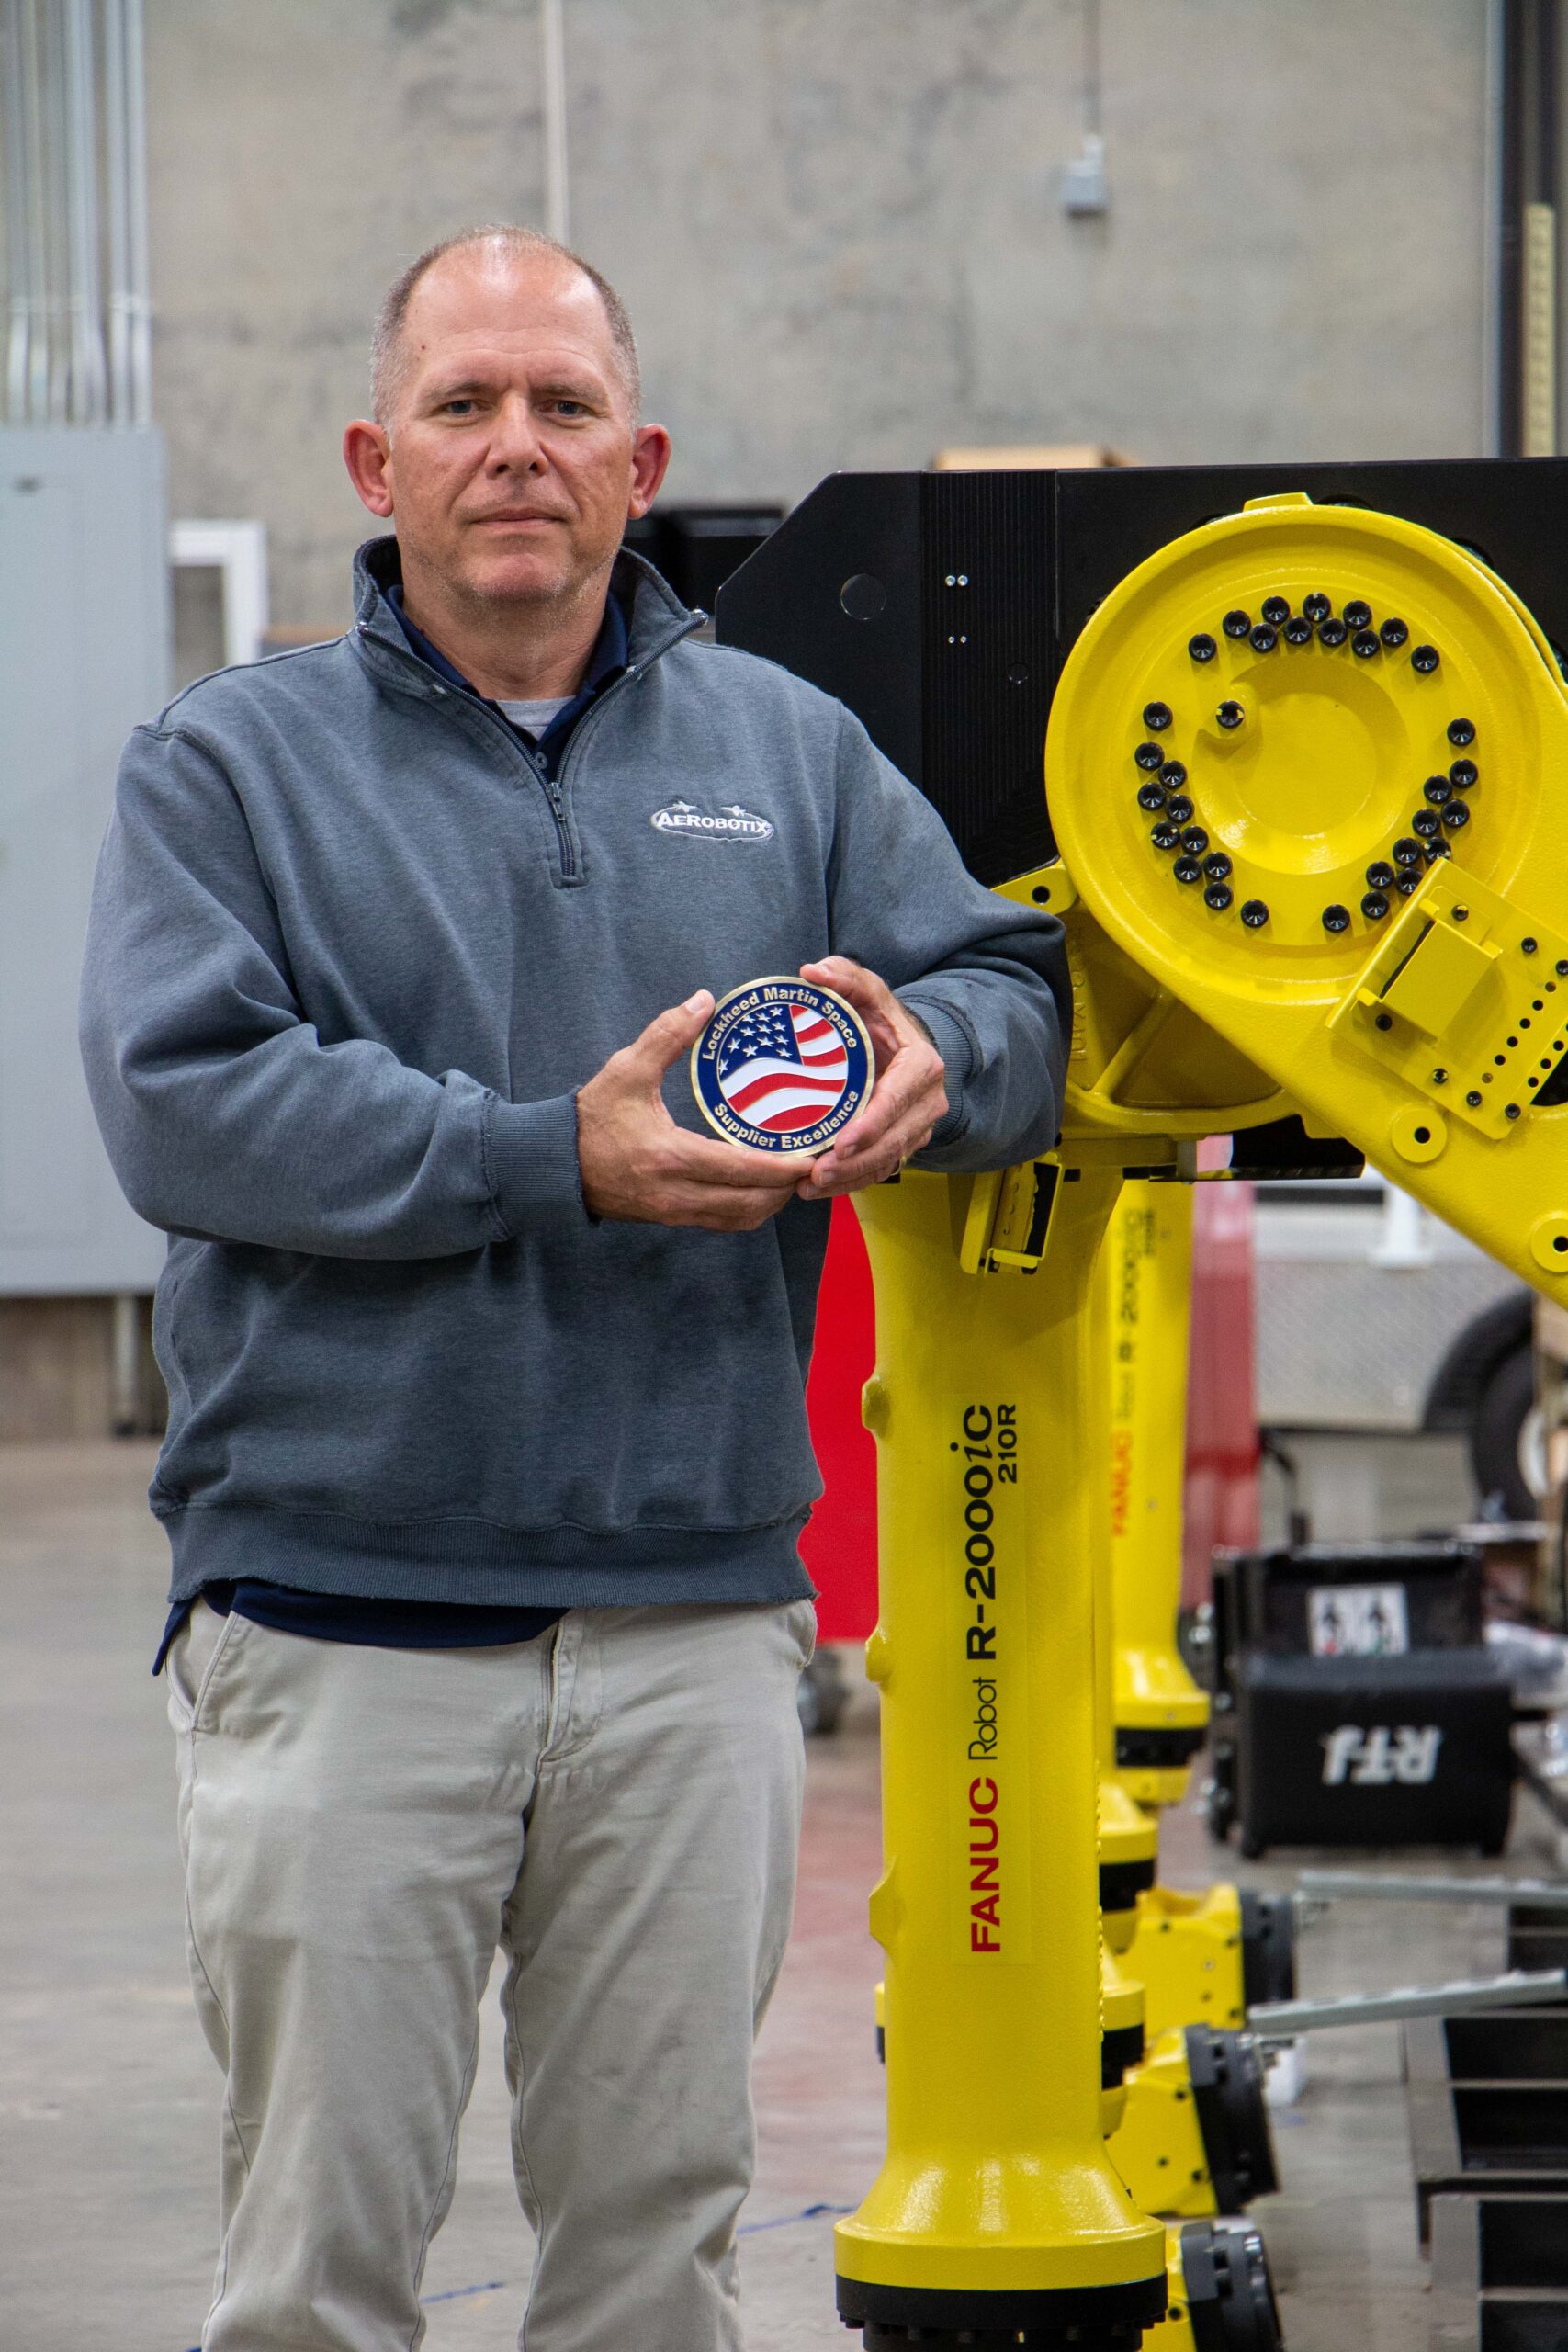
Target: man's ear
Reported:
point(368, 454)
point(650, 463)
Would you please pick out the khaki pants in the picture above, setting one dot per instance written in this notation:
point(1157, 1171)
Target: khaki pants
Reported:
point(617, 1804)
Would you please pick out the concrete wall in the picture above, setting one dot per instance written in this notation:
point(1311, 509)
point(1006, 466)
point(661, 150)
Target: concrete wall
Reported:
point(837, 224)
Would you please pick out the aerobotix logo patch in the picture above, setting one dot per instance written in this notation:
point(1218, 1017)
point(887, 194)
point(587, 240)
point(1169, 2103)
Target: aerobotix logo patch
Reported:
point(732, 824)
point(783, 1067)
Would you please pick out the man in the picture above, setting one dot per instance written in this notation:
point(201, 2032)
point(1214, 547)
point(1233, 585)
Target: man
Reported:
point(487, 1455)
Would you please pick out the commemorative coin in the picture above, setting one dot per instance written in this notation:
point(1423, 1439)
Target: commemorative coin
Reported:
point(783, 1067)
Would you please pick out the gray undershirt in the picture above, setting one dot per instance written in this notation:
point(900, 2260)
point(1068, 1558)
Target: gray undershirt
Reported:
point(535, 717)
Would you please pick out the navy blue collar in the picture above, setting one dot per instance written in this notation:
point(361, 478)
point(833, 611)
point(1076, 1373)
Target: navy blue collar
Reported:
point(605, 663)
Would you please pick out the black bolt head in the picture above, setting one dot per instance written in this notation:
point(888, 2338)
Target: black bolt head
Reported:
point(1317, 606)
point(1406, 852)
point(1358, 614)
point(1156, 716)
point(1461, 731)
point(1436, 848)
point(1332, 632)
point(1230, 714)
point(1264, 638)
point(1236, 623)
point(1297, 631)
point(1150, 796)
point(1407, 884)
point(1381, 874)
point(1394, 633)
point(1510, 1110)
point(1254, 913)
point(1336, 918)
point(1201, 647)
point(1528, 947)
point(1218, 866)
point(1383, 1021)
point(1563, 968)
point(1277, 610)
point(1195, 840)
point(1164, 835)
point(1186, 869)
point(1473, 1099)
point(1426, 821)
point(1218, 895)
point(1363, 645)
point(1173, 775)
point(1425, 659)
point(1438, 790)
point(1439, 1078)
point(1374, 906)
point(1463, 774)
point(1455, 814)
point(1180, 808)
point(1148, 755)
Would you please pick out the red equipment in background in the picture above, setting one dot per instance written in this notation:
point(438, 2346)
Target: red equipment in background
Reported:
point(1220, 1502)
point(840, 1543)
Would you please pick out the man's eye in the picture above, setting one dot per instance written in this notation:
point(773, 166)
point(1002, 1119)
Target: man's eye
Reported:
point(458, 408)
point(576, 408)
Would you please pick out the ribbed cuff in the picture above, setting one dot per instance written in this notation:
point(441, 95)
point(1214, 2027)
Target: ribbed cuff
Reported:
point(531, 1162)
point(953, 1042)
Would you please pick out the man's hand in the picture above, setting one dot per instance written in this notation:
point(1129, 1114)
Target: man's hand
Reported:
point(911, 1095)
point(638, 1166)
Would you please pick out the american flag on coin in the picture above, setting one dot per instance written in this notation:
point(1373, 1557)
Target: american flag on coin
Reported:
point(783, 1067)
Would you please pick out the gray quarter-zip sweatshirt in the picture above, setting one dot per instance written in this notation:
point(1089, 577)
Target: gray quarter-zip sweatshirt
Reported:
point(351, 953)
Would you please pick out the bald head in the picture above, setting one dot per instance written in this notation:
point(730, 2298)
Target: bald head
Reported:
point(503, 259)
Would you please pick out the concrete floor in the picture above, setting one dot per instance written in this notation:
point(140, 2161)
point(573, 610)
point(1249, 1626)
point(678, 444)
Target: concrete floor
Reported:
point(108, 2105)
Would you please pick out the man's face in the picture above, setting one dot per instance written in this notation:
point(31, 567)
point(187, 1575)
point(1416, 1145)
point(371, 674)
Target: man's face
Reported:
point(514, 460)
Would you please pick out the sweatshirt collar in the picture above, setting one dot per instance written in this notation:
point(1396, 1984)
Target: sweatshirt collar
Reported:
point(654, 616)
point(609, 654)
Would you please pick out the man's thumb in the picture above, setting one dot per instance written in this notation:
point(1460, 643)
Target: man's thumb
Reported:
point(674, 1033)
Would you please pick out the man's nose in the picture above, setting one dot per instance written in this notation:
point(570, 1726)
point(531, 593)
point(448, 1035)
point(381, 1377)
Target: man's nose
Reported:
point(514, 445)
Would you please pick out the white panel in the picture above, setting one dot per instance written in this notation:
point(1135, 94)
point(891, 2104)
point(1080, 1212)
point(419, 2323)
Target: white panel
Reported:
point(45, 1194)
point(83, 656)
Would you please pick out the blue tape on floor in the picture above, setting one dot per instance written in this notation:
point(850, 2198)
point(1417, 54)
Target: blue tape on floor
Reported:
point(787, 2221)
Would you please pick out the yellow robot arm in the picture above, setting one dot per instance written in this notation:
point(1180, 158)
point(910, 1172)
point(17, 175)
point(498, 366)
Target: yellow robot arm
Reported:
point(1326, 875)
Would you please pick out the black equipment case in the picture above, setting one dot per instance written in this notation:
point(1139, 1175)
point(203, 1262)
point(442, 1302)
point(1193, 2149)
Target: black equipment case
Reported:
point(1375, 1751)
point(1356, 1702)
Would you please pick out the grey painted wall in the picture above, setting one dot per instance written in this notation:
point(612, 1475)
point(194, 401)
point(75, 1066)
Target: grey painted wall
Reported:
point(837, 224)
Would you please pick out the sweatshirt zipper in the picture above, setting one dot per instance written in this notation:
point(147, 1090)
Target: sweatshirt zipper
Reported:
point(569, 869)
point(558, 810)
